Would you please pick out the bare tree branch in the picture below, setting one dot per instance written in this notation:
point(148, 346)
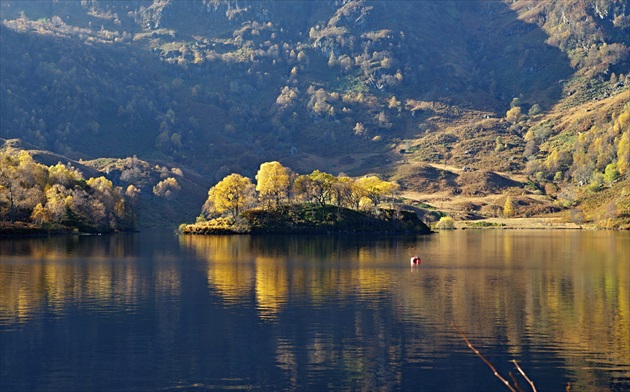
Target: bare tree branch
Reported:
point(507, 384)
point(525, 376)
point(515, 383)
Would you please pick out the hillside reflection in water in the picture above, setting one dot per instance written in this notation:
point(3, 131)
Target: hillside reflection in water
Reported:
point(153, 310)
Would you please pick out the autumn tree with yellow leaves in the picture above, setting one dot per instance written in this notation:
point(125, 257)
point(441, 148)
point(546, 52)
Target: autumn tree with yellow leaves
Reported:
point(232, 194)
point(58, 195)
point(272, 183)
point(317, 187)
point(376, 189)
point(275, 183)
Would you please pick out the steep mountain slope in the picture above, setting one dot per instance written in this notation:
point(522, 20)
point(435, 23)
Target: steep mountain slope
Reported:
point(353, 86)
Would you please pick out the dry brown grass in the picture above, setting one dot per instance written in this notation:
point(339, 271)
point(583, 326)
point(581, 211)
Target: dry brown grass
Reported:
point(477, 196)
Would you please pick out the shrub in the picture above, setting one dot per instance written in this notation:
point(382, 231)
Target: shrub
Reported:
point(445, 223)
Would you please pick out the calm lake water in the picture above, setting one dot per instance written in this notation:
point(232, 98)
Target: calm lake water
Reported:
point(158, 312)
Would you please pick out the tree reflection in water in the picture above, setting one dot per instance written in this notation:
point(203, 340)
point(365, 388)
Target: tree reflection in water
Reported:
point(338, 312)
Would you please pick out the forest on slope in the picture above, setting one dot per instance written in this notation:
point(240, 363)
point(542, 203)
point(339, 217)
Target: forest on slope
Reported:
point(216, 87)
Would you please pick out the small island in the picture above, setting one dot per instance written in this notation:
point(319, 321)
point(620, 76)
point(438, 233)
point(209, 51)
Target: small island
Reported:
point(304, 219)
point(283, 202)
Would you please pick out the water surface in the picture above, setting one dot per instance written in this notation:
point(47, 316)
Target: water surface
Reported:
point(154, 311)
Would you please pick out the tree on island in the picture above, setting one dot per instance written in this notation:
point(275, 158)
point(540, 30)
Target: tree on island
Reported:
point(376, 189)
point(232, 194)
point(272, 183)
point(317, 187)
point(288, 199)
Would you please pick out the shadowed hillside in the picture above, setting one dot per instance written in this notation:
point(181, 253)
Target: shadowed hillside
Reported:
point(237, 83)
point(355, 86)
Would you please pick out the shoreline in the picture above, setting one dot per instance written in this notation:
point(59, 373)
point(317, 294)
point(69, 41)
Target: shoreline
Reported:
point(540, 223)
point(21, 230)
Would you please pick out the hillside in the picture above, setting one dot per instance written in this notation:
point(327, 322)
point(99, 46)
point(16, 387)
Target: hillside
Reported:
point(154, 206)
point(394, 88)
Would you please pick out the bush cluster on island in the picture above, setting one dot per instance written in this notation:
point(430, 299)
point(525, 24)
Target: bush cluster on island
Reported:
point(285, 202)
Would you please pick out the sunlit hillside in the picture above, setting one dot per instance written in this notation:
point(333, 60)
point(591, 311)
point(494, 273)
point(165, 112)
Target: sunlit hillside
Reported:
point(213, 87)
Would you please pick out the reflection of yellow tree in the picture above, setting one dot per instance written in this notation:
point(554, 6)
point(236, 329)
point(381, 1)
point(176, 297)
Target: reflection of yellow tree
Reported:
point(371, 279)
point(229, 268)
point(56, 283)
point(271, 285)
point(98, 284)
point(581, 305)
point(168, 280)
point(17, 296)
point(591, 314)
point(53, 278)
point(233, 280)
point(270, 278)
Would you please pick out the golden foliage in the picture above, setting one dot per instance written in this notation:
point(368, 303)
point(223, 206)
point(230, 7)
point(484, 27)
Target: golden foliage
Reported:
point(272, 182)
point(167, 188)
point(508, 207)
point(623, 153)
point(445, 223)
point(513, 115)
point(231, 194)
